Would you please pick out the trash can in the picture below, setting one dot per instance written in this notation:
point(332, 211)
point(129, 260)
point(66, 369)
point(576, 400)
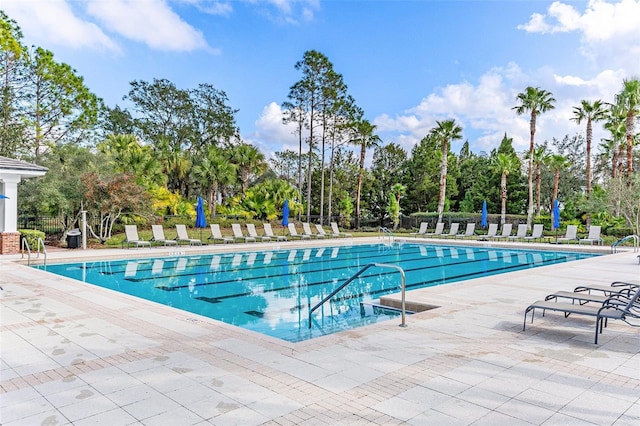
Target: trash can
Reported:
point(73, 238)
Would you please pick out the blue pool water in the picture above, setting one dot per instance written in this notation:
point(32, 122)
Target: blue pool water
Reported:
point(270, 292)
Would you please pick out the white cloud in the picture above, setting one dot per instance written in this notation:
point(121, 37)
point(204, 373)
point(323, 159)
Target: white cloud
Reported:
point(609, 31)
point(211, 7)
point(289, 11)
point(54, 22)
point(151, 22)
point(273, 134)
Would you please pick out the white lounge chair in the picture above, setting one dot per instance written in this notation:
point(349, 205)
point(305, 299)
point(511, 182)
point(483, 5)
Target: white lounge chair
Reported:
point(294, 233)
point(423, 229)
point(570, 235)
point(491, 232)
point(158, 236)
point(469, 232)
point(536, 234)
point(216, 234)
point(268, 231)
point(321, 231)
point(238, 235)
point(506, 231)
point(306, 228)
point(520, 233)
point(437, 232)
point(453, 230)
point(183, 236)
point(251, 230)
point(593, 237)
point(337, 232)
point(131, 237)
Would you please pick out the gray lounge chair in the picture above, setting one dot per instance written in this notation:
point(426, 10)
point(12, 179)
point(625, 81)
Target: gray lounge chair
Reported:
point(506, 232)
point(536, 234)
point(183, 236)
point(422, 230)
point(621, 306)
point(293, 232)
point(216, 235)
point(520, 233)
point(306, 228)
point(570, 235)
point(268, 231)
point(491, 232)
point(132, 238)
point(158, 236)
point(251, 230)
point(337, 232)
point(593, 237)
point(453, 230)
point(469, 232)
point(437, 232)
point(238, 235)
point(321, 231)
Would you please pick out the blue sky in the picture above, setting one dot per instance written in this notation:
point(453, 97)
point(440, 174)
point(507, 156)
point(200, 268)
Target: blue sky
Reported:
point(407, 63)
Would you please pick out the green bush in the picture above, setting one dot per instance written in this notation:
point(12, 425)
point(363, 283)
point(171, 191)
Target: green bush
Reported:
point(31, 235)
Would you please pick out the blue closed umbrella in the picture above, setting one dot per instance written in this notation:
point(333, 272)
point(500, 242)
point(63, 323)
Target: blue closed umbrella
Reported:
point(201, 218)
point(3, 196)
point(285, 214)
point(556, 214)
point(483, 221)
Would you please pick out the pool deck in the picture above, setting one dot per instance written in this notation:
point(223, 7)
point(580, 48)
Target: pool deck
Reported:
point(77, 354)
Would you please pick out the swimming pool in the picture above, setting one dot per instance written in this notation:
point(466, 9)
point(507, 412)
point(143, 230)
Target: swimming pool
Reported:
point(270, 292)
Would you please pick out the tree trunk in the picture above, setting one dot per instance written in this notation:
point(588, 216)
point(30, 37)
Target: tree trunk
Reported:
point(360, 177)
point(443, 179)
point(503, 198)
point(532, 127)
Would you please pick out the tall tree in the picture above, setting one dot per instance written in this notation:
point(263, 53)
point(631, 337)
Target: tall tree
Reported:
point(616, 126)
point(539, 158)
point(557, 163)
point(591, 112)
point(250, 161)
point(212, 172)
point(535, 101)
point(445, 132)
point(365, 137)
point(504, 165)
point(60, 106)
point(629, 102)
point(308, 101)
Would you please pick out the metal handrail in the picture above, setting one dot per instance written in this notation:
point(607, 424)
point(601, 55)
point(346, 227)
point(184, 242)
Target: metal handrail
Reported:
point(636, 242)
point(387, 231)
point(25, 244)
point(356, 275)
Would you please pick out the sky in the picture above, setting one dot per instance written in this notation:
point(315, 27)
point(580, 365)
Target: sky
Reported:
point(406, 63)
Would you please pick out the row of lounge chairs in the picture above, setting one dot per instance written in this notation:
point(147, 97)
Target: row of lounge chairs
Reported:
point(618, 301)
point(133, 240)
point(537, 233)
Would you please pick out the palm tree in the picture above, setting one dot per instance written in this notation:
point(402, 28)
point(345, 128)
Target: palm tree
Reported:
point(536, 101)
point(504, 164)
point(214, 171)
point(629, 101)
point(365, 137)
point(557, 162)
point(616, 126)
point(592, 112)
point(539, 157)
point(249, 161)
point(445, 132)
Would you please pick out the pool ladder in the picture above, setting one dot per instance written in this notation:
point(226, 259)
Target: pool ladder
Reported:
point(356, 275)
point(635, 239)
point(386, 231)
point(40, 243)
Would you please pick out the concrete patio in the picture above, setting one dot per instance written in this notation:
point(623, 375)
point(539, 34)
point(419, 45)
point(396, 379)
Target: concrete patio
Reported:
point(73, 353)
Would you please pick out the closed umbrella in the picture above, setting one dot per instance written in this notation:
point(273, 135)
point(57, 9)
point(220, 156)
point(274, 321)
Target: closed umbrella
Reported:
point(285, 215)
point(483, 221)
point(556, 214)
point(2, 196)
point(556, 217)
point(201, 218)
